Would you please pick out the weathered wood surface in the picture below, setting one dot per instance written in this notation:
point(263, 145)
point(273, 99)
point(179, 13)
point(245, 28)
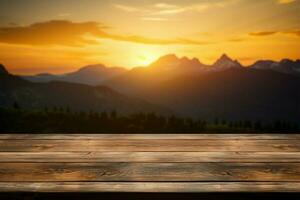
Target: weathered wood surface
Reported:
point(162, 172)
point(162, 145)
point(152, 157)
point(150, 163)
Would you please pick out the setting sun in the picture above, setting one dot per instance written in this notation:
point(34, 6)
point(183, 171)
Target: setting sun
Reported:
point(146, 59)
point(143, 55)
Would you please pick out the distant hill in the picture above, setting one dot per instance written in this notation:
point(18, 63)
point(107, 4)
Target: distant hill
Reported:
point(286, 66)
point(77, 97)
point(236, 94)
point(90, 75)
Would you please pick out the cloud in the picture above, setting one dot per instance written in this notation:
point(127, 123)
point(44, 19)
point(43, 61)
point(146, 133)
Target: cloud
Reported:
point(178, 10)
point(156, 41)
point(295, 33)
point(168, 9)
point(126, 8)
point(67, 33)
point(154, 19)
point(173, 9)
point(263, 33)
point(268, 33)
point(285, 1)
point(165, 6)
point(57, 32)
point(237, 40)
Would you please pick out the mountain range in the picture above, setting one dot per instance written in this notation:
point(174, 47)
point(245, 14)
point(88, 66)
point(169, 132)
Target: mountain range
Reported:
point(286, 66)
point(90, 75)
point(77, 97)
point(266, 90)
point(166, 67)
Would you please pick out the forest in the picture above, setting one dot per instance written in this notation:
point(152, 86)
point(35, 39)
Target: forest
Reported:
point(63, 120)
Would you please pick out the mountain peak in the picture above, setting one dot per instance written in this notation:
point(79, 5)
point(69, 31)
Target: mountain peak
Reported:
point(3, 70)
point(179, 64)
point(92, 68)
point(225, 57)
point(225, 62)
point(286, 61)
point(168, 58)
point(166, 62)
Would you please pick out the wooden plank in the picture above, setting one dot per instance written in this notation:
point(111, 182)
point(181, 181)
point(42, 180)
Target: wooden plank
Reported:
point(149, 145)
point(158, 172)
point(263, 136)
point(160, 157)
point(182, 187)
point(150, 163)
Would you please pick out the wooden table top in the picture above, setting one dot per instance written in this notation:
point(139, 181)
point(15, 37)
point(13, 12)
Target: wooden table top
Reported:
point(150, 163)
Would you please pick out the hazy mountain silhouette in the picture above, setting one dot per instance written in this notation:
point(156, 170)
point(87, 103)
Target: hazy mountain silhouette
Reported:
point(165, 68)
point(284, 66)
point(77, 97)
point(91, 75)
point(172, 64)
point(225, 63)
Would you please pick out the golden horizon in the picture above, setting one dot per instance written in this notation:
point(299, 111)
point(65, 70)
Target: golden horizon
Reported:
point(61, 38)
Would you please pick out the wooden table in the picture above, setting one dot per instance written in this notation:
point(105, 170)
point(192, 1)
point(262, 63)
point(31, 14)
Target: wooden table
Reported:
point(149, 163)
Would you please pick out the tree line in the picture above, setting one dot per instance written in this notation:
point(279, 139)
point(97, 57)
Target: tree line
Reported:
point(63, 120)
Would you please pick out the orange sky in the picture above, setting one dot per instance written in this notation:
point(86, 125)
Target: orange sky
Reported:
point(59, 36)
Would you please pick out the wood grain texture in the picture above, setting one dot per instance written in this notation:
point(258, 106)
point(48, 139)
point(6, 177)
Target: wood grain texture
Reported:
point(150, 163)
point(148, 145)
point(182, 187)
point(210, 136)
point(154, 157)
point(149, 172)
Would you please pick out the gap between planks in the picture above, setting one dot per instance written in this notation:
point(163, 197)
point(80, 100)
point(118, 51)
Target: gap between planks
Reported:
point(264, 136)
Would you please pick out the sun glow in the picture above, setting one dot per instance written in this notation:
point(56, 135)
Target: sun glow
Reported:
point(146, 58)
point(143, 55)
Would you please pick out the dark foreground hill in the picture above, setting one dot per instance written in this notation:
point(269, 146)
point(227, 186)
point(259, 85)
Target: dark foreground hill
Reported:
point(232, 94)
point(235, 94)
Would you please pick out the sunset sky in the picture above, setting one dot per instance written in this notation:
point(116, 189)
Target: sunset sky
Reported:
point(59, 36)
